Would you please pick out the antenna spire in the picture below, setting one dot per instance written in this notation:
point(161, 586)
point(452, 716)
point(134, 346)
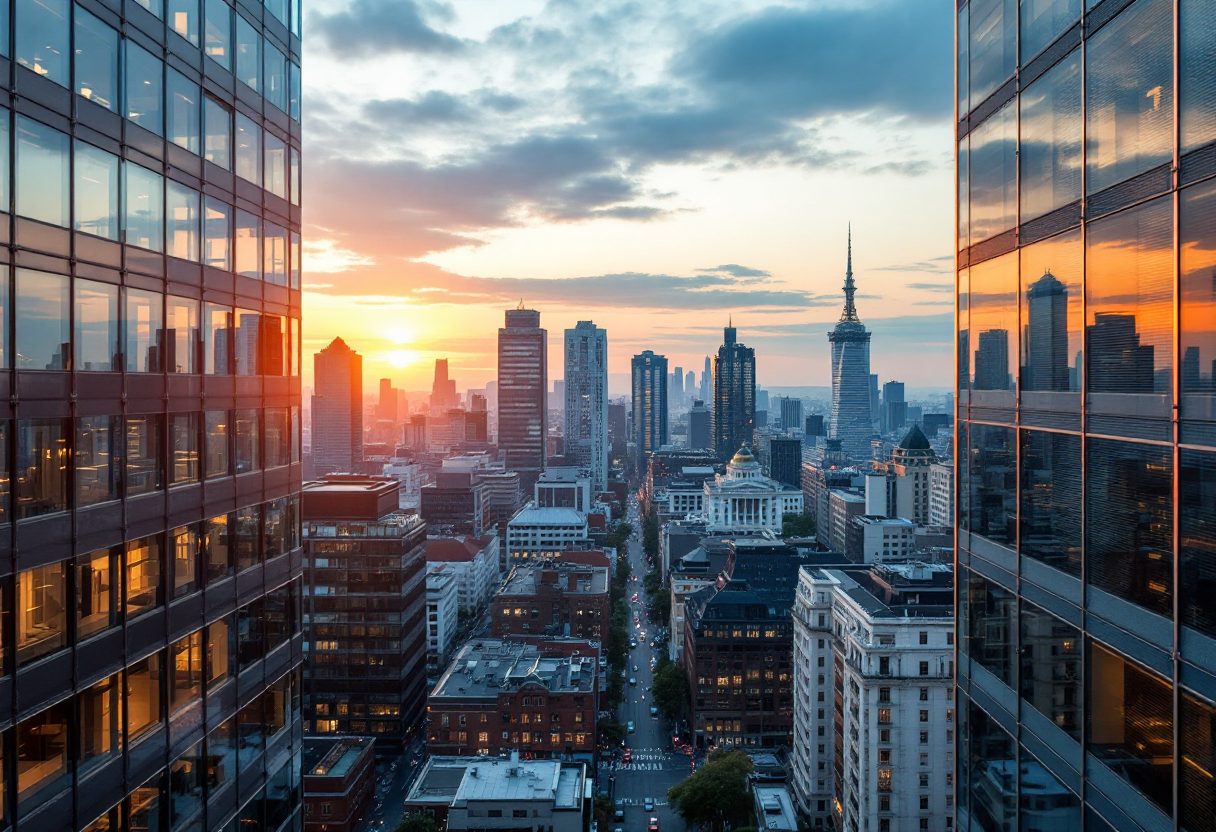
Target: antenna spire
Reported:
point(850, 308)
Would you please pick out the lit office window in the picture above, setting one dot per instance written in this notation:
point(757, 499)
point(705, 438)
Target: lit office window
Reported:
point(183, 18)
point(42, 600)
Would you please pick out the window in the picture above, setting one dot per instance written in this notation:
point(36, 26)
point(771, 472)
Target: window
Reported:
point(143, 696)
point(183, 111)
point(1197, 213)
point(249, 633)
point(924, 668)
point(144, 325)
point(218, 35)
point(96, 588)
point(96, 60)
point(992, 496)
point(293, 93)
point(185, 544)
point(156, 7)
point(186, 671)
point(183, 335)
point(216, 550)
point(884, 716)
point(143, 576)
point(1042, 22)
point(42, 180)
point(100, 722)
point(924, 694)
point(248, 245)
point(143, 443)
point(278, 8)
point(295, 197)
point(42, 32)
point(1053, 323)
point(248, 53)
point(248, 537)
point(993, 172)
point(992, 47)
point(41, 621)
point(143, 207)
point(186, 787)
point(218, 127)
point(185, 468)
point(923, 637)
point(1196, 79)
point(277, 437)
point(993, 322)
point(276, 165)
point(1051, 668)
point(884, 694)
point(216, 334)
point(248, 150)
point(1051, 499)
point(97, 341)
point(246, 342)
point(275, 251)
point(884, 779)
point(1197, 534)
point(275, 77)
point(96, 193)
point(97, 459)
point(183, 19)
point(1050, 150)
point(884, 665)
point(182, 212)
point(42, 306)
point(217, 234)
point(990, 621)
point(42, 753)
point(144, 88)
point(217, 436)
point(42, 467)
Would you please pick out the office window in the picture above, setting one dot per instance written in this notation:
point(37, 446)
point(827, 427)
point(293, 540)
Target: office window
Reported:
point(278, 8)
point(185, 546)
point(248, 53)
point(1042, 21)
point(98, 459)
point(186, 671)
point(993, 312)
point(96, 591)
point(963, 193)
point(249, 633)
point(275, 77)
point(247, 537)
point(217, 347)
point(1051, 663)
point(42, 753)
point(1051, 499)
point(143, 568)
point(1052, 323)
point(42, 32)
point(100, 723)
point(275, 170)
point(145, 88)
point(278, 619)
point(247, 342)
point(186, 788)
point(993, 46)
point(184, 115)
point(182, 214)
point(1130, 305)
point(1131, 718)
point(1196, 799)
point(992, 627)
point(185, 467)
point(274, 338)
point(42, 598)
point(144, 696)
point(1129, 94)
point(217, 234)
point(1197, 74)
point(96, 193)
point(217, 38)
point(217, 124)
point(183, 18)
point(294, 156)
point(217, 440)
point(295, 430)
point(293, 92)
point(221, 653)
point(143, 207)
point(42, 180)
point(248, 149)
point(216, 549)
point(1129, 530)
point(183, 335)
point(989, 746)
point(1051, 139)
point(992, 480)
point(96, 60)
point(222, 750)
point(277, 437)
point(42, 467)
point(248, 245)
point(156, 7)
point(97, 341)
point(274, 247)
point(276, 536)
point(993, 172)
point(1197, 215)
point(143, 323)
point(143, 454)
point(1197, 536)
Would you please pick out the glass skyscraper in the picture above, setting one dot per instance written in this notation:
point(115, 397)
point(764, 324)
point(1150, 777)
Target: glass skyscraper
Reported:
point(649, 384)
point(150, 433)
point(1086, 442)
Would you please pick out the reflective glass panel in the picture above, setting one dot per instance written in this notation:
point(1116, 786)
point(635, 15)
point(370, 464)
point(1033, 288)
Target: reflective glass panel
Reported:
point(1051, 499)
point(277, 436)
point(145, 472)
point(145, 88)
point(143, 207)
point(246, 342)
point(964, 336)
point(1042, 21)
point(96, 591)
point(186, 790)
point(42, 466)
point(248, 52)
point(275, 170)
point(275, 77)
point(6, 145)
point(43, 180)
point(185, 438)
point(274, 250)
point(293, 92)
point(96, 61)
point(185, 120)
point(144, 700)
point(1197, 539)
point(1051, 139)
point(1130, 521)
point(246, 446)
point(964, 191)
point(98, 460)
point(43, 31)
point(221, 754)
point(218, 332)
point(993, 313)
point(43, 313)
point(217, 234)
point(143, 323)
point(101, 722)
point(248, 245)
point(1131, 724)
point(218, 36)
point(220, 563)
point(183, 335)
point(42, 599)
point(1052, 323)
point(993, 47)
point(992, 627)
point(249, 633)
point(183, 18)
point(157, 7)
point(1197, 243)
point(993, 170)
point(962, 63)
point(182, 214)
point(218, 124)
point(248, 537)
point(1196, 797)
point(42, 754)
point(1129, 96)
point(96, 191)
point(1051, 668)
point(1130, 307)
point(217, 440)
point(273, 337)
point(248, 149)
point(278, 8)
point(1197, 73)
point(991, 757)
point(295, 261)
point(295, 176)
point(186, 671)
point(98, 345)
point(992, 477)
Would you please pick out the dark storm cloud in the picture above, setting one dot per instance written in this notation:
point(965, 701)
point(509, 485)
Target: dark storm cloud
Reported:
point(369, 27)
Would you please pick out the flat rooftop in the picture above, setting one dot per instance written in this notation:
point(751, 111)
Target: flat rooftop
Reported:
point(332, 756)
point(548, 517)
point(485, 668)
point(526, 579)
point(462, 780)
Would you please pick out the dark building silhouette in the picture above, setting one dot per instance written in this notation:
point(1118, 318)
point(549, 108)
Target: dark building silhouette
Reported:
point(700, 426)
point(992, 361)
point(1045, 346)
point(649, 404)
point(523, 384)
point(814, 425)
point(337, 410)
point(1118, 362)
point(785, 461)
point(734, 416)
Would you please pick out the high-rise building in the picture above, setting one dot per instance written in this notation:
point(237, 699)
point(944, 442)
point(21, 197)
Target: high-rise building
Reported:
point(443, 389)
point(700, 426)
point(690, 384)
point(386, 408)
point(676, 395)
point(649, 404)
point(586, 430)
point(893, 411)
point(523, 382)
point(851, 418)
point(791, 414)
point(1087, 521)
point(734, 396)
point(707, 382)
point(618, 430)
point(785, 461)
point(337, 410)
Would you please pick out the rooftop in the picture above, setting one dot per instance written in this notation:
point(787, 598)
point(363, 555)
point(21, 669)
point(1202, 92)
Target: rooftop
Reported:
point(333, 756)
point(484, 668)
point(533, 516)
point(456, 550)
point(526, 578)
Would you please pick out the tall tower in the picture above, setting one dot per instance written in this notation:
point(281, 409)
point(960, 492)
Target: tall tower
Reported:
point(337, 410)
point(443, 389)
point(649, 404)
point(707, 382)
point(851, 417)
point(734, 419)
point(523, 384)
point(586, 422)
point(1045, 351)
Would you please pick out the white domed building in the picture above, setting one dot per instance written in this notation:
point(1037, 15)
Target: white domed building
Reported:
point(743, 498)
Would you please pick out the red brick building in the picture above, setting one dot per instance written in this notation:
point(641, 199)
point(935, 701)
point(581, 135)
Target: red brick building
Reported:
point(339, 779)
point(555, 599)
point(540, 696)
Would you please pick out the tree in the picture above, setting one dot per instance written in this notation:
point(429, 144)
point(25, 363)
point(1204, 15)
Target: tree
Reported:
point(670, 688)
point(650, 534)
point(716, 793)
point(612, 731)
point(417, 822)
point(798, 525)
point(651, 583)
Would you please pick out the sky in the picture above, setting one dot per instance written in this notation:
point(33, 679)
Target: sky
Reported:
point(659, 168)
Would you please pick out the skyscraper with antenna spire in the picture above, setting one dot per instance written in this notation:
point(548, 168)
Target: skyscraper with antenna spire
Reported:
point(851, 421)
point(734, 416)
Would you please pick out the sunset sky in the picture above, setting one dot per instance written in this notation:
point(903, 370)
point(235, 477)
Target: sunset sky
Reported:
point(652, 166)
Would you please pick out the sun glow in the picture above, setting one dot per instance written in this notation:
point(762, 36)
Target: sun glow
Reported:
point(401, 358)
point(399, 335)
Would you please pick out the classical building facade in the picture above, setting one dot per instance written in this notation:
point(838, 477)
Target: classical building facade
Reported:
point(743, 498)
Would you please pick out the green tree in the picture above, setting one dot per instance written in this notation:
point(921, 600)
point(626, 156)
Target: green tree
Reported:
point(417, 822)
point(716, 793)
point(651, 582)
point(798, 525)
point(650, 534)
point(612, 731)
point(670, 688)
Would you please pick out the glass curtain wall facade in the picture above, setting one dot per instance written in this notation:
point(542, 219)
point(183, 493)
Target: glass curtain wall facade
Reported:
point(1086, 503)
point(150, 644)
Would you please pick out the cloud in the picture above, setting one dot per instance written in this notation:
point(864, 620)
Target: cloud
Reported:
point(736, 270)
point(931, 287)
point(928, 266)
point(369, 28)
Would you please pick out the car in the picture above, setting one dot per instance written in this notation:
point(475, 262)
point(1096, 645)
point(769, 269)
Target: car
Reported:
point(633, 681)
point(652, 643)
point(648, 804)
point(633, 642)
point(654, 711)
point(653, 826)
point(629, 726)
point(635, 668)
point(627, 756)
point(618, 815)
